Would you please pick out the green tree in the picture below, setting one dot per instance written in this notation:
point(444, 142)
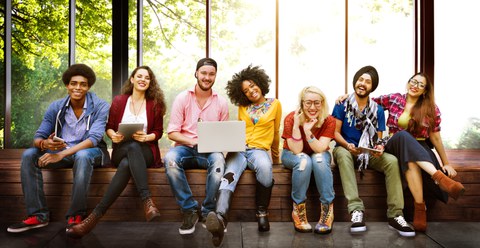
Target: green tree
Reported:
point(470, 138)
point(40, 49)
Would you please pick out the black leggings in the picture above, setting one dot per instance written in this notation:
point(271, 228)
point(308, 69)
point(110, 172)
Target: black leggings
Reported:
point(131, 159)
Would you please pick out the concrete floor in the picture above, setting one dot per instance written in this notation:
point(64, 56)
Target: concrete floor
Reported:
point(243, 234)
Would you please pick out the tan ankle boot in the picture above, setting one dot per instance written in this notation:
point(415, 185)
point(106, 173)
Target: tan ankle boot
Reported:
point(325, 224)
point(420, 217)
point(452, 187)
point(299, 216)
point(85, 227)
point(151, 211)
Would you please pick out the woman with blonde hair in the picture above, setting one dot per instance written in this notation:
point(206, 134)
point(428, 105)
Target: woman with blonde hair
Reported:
point(307, 133)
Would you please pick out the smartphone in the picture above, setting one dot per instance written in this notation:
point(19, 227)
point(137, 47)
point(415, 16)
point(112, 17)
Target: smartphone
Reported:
point(58, 139)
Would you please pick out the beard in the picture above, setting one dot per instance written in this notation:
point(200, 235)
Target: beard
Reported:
point(203, 87)
point(364, 94)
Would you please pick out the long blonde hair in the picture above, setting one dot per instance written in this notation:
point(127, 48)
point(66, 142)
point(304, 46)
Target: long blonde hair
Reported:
point(324, 112)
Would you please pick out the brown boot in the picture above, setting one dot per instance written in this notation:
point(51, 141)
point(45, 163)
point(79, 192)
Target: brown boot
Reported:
point(420, 217)
point(452, 187)
point(151, 211)
point(85, 227)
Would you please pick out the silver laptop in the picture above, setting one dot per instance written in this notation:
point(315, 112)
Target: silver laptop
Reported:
point(221, 136)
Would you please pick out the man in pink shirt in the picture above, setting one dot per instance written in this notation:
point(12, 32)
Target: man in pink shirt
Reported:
point(199, 103)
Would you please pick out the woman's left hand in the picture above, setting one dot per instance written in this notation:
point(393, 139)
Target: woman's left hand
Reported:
point(451, 172)
point(140, 136)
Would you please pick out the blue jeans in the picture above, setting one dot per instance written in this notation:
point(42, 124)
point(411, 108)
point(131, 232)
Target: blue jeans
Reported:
point(302, 166)
point(181, 158)
point(257, 160)
point(82, 163)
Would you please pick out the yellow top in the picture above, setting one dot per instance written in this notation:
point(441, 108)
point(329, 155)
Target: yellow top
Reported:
point(403, 121)
point(266, 133)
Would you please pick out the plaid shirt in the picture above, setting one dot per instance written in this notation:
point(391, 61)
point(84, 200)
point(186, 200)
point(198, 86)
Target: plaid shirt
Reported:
point(395, 104)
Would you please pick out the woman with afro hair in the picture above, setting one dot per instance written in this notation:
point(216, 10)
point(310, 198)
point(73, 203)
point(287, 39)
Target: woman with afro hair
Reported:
point(262, 116)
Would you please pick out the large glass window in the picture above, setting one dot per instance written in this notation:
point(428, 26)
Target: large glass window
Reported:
point(173, 41)
point(456, 53)
point(39, 56)
point(93, 39)
point(381, 34)
point(311, 49)
point(243, 33)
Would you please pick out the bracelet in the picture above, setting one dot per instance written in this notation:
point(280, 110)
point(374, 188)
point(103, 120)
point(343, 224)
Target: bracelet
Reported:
point(295, 139)
point(312, 138)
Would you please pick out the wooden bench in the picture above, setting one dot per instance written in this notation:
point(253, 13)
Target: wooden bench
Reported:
point(57, 185)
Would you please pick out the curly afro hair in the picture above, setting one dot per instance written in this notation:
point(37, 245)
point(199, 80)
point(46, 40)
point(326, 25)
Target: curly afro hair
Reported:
point(79, 70)
point(253, 74)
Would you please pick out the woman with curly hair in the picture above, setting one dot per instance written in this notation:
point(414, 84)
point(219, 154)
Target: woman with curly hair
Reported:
point(142, 101)
point(262, 116)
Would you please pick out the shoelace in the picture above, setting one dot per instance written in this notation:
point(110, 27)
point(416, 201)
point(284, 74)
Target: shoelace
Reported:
point(302, 214)
point(148, 203)
point(325, 213)
point(188, 217)
point(357, 216)
point(400, 220)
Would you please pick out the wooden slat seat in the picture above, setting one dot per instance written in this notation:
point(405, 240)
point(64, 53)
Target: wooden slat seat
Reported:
point(58, 182)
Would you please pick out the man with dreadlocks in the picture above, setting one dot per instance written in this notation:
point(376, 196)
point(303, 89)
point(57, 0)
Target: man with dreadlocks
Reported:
point(360, 123)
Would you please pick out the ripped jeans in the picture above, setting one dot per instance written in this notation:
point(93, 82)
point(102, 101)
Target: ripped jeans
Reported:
point(180, 158)
point(257, 160)
point(302, 166)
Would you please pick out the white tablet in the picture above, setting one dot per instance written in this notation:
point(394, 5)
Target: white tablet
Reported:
point(367, 150)
point(128, 129)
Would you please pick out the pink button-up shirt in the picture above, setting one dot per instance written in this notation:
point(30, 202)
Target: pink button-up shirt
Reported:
point(186, 112)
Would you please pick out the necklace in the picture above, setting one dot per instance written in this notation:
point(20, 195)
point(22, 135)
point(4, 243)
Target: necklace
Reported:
point(137, 112)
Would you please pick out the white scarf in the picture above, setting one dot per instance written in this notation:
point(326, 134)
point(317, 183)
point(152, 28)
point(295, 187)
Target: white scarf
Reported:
point(366, 121)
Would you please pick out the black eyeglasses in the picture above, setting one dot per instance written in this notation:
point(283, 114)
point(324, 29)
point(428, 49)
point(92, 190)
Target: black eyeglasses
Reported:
point(414, 82)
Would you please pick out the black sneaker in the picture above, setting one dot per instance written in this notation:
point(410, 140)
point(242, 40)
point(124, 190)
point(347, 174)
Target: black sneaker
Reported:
point(401, 226)
point(190, 219)
point(29, 223)
point(358, 224)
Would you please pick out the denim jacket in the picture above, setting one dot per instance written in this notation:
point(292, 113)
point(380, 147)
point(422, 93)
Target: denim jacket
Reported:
point(96, 115)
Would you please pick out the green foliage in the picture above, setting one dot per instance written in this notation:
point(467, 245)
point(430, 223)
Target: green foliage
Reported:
point(470, 139)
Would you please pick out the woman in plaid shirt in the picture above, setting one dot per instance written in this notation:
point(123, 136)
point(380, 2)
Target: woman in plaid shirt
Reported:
point(414, 126)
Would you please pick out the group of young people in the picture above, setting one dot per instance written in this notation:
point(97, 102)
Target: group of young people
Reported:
point(71, 135)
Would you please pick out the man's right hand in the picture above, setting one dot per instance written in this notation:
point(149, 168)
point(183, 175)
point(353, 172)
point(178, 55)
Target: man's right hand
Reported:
point(53, 145)
point(340, 99)
point(353, 150)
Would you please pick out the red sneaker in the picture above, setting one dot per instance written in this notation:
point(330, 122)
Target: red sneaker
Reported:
point(29, 223)
point(73, 220)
